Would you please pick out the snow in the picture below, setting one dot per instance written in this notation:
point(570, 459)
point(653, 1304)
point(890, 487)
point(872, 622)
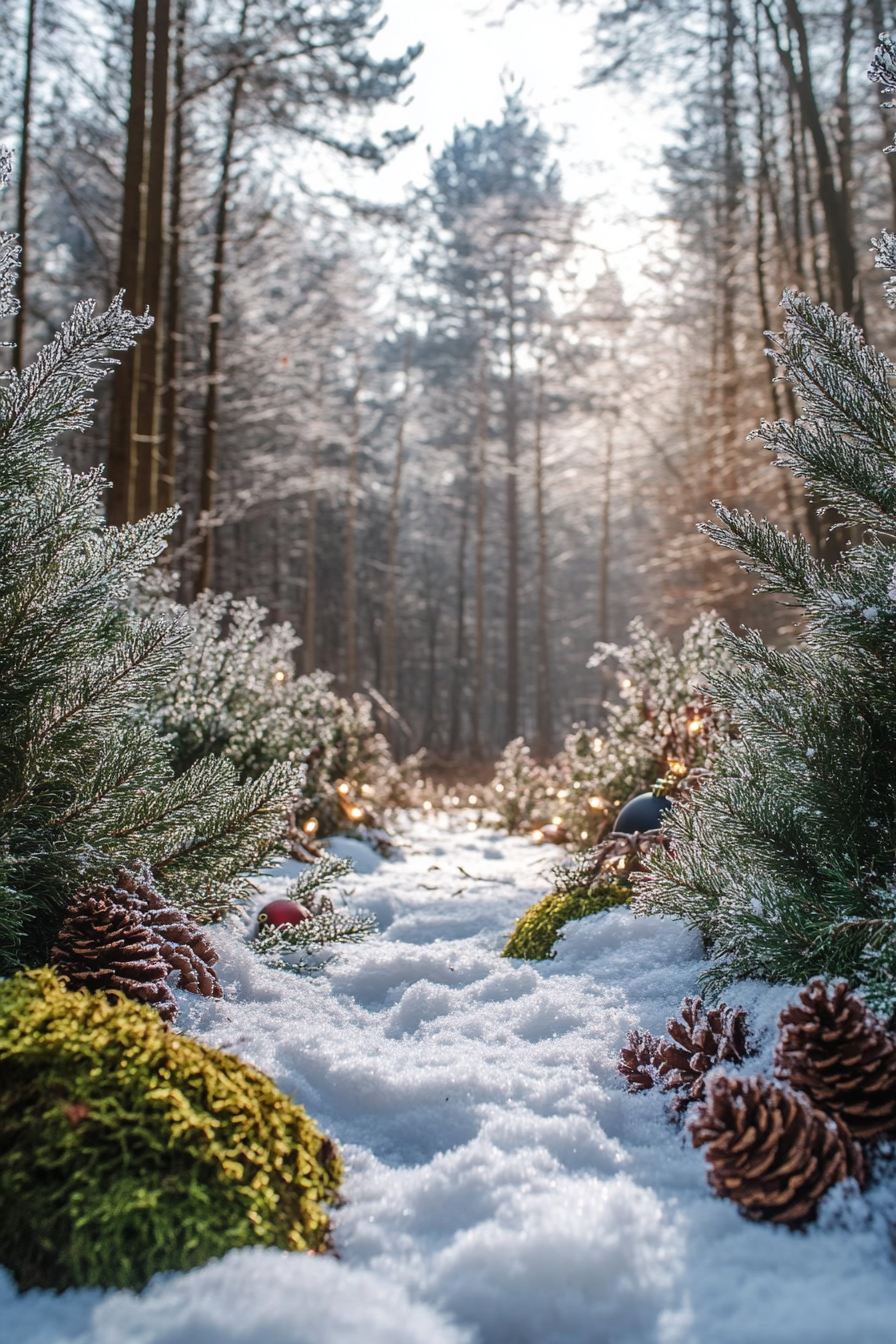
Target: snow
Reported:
point(502, 1187)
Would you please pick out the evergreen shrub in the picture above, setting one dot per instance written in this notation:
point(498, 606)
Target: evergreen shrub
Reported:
point(126, 1149)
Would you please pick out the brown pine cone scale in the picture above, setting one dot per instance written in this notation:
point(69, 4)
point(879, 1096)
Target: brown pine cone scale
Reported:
point(833, 1048)
point(103, 945)
point(636, 1061)
point(770, 1150)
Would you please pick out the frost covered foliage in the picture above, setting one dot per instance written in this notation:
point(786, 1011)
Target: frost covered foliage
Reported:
point(216, 1155)
point(297, 947)
point(785, 859)
point(662, 721)
point(84, 786)
point(235, 693)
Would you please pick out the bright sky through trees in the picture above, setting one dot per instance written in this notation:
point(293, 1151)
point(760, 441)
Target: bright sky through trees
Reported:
point(608, 137)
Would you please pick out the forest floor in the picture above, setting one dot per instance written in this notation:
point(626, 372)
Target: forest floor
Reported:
point(502, 1187)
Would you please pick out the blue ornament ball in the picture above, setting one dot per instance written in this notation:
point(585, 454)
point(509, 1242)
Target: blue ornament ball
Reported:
point(644, 813)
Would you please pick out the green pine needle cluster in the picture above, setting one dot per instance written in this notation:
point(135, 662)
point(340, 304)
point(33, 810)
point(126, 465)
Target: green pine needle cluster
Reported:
point(127, 1150)
point(85, 784)
point(785, 860)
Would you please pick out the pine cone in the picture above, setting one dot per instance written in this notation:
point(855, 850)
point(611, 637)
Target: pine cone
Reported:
point(103, 945)
point(770, 1150)
point(836, 1051)
point(183, 946)
point(699, 1041)
point(637, 1061)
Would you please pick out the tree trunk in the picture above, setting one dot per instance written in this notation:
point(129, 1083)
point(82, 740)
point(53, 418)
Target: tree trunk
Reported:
point(389, 621)
point(21, 317)
point(513, 564)
point(457, 675)
point(149, 376)
point(310, 625)
point(121, 468)
point(481, 489)
point(213, 375)
point(727, 473)
point(603, 573)
point(173, 335)
point(834, 200)
point(351, 617)
point(543, 691)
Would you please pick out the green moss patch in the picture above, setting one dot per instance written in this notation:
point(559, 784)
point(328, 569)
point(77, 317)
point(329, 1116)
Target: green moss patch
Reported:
point(126, 1149)
point(539, 928)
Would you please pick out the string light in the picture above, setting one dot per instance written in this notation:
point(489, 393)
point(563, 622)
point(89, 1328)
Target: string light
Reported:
point(367, 790)
point(537, 836)
point(342, 788)
point(310, 827)
point(499, 788)
point(556, 821)
point(584, 835)
point(472, 799)
point(472, 826)
point(626, 681)
point(427, 806)
point(598, 745)
point(695, 725)
point(562, 793)
point(676, 768)
point(279, 675)
point(595, 802)
point(356, 814)
point(550, 792)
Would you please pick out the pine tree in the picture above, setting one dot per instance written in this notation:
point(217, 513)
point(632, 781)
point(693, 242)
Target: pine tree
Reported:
point(785, 859)
point(85, 783)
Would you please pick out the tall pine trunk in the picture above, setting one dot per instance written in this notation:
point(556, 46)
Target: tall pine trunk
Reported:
point(351, 519)
point(476, 742)
point(513, 543)
point(457, 672)
point(21, 317)
point(150, 368)
point(167, 485)
point(543, 690)
point(389, 616)
point(310, 623)
point(209, 474)
point(121, 468)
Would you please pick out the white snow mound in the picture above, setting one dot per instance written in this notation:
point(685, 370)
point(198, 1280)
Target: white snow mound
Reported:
point(502, 1187)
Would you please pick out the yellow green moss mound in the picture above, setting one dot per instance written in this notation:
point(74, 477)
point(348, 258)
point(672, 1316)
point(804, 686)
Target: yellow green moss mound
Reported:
point(126, 1149)
point(539, 928)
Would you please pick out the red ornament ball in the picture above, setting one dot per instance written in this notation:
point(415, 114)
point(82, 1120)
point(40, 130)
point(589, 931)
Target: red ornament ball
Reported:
point(282, 912)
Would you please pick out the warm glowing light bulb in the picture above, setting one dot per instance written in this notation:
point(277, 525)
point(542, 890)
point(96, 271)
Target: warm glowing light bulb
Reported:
point(472, 826)
point(499, 788)
point(584, 835)
point(342, 788)
point(472, 798)
point(676, 768)
point(427, 806)
point(356, 814)
point(695, 725)
point(280, 675)
point(367, 790)
point(595, 802)
point(562, 793)
point(537, 836)
point(626, 681)
point(598, 745)
point(556, 821)
point(310, 826)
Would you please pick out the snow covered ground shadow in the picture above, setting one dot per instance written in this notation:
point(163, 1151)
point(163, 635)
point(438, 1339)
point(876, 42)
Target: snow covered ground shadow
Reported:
point(502, 1186)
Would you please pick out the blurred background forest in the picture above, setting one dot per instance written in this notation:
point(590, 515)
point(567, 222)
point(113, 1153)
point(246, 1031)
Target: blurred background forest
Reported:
point(444, 434)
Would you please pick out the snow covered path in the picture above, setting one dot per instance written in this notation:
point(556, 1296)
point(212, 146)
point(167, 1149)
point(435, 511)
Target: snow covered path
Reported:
point(502, 1187)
